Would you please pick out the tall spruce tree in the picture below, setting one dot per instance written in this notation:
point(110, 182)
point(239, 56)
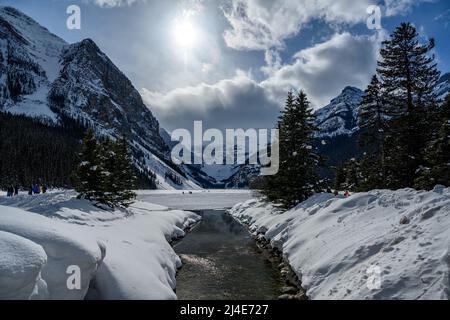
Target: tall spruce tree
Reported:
point(297, 178)
point(408, 75)
point(106, 174)
point(89, 175)
point(397, 118)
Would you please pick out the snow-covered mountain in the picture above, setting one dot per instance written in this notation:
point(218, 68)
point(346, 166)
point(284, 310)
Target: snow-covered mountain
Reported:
point(228, 176)
point(29, 63)
point(338, 124)
point(44, 77)
point(340, 117)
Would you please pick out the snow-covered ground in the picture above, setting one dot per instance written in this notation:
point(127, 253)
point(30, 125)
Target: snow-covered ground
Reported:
point(196, 199)
point(121, 254)
point(376, 245)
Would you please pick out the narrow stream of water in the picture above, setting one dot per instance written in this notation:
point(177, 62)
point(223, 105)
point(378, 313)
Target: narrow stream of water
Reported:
point(221, 261)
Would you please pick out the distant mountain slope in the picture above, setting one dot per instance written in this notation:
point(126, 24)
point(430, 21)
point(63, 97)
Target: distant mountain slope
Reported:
point(44, 77)
point(443, 87)
point(340, 116)
point(338, 124)
point(338, 141)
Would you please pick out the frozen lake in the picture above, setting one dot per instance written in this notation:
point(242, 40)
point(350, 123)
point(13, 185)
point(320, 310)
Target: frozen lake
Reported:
point(197, 199)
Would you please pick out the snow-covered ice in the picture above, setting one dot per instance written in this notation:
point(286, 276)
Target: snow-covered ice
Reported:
point(196, 199)
point(376, 245)
point(121, 255)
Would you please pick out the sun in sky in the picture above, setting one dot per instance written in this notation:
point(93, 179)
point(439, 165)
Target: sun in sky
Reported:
point(186, 34)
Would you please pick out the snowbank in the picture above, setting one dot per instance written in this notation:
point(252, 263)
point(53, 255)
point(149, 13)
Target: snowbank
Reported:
point(21, 263)
point(376, 245)
point(123, 254)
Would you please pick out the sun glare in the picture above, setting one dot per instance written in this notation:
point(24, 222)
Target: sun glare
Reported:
point(185, 34)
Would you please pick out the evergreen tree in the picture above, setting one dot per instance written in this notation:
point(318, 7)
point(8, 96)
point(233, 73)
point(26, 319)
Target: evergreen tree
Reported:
point(340, 177)
point(89, 176)
point(370, 172)
point(32, 151)
point(108, 187)
point(122, 176)
point(373, 124)
point(352, 175)
point(408, 75)
point(297, 177)
point(106, 174)
point(437, 154)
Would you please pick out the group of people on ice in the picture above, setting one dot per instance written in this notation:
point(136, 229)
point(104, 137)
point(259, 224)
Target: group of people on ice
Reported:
point(35, 188)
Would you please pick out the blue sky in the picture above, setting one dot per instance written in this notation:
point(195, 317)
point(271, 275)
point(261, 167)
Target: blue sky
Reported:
point(234, 65)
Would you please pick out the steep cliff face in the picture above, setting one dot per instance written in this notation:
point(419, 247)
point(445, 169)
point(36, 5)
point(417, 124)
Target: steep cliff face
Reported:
point(91, 88)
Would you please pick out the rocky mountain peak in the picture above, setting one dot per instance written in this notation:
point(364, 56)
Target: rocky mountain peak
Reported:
point(340, 116)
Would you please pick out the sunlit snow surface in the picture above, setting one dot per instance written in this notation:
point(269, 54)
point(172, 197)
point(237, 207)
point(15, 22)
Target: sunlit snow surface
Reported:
point(339, 246)
point(196, 199)
point(122, 254)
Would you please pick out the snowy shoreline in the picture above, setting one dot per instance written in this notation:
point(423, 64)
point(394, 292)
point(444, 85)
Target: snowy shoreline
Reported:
point(376, 245)
point(331, 243)
point(125, 254)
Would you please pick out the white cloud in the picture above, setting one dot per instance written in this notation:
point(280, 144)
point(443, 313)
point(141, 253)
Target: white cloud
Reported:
point(399, 7)
point(241, 102)
point(273, 61)
point(326, 68)
point(264, 24)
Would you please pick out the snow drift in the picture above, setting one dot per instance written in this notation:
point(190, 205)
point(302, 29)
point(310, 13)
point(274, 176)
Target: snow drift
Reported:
point(121, 255)
point(337, 246)
point(21, 264)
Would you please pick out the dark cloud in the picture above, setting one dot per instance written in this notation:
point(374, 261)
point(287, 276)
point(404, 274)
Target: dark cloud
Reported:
point(239, 102)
